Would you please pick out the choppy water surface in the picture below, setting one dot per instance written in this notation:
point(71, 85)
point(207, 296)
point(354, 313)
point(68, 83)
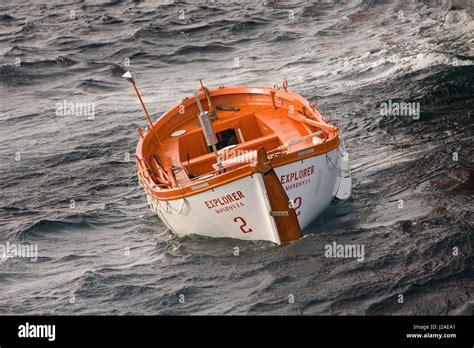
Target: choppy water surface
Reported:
point(67, 185)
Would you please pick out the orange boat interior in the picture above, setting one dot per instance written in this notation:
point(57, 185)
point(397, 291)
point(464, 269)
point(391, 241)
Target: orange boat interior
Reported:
point(175, 154)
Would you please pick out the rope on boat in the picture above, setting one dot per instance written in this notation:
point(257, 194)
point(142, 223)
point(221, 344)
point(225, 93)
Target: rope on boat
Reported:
point(343, 172)
point(328, 159)
point(184, 203)
point(156, 205)
point(343, 153)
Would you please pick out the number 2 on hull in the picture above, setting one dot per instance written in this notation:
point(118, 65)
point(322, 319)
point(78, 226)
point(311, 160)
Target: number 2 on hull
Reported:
point(296, 204)
point(243, 224)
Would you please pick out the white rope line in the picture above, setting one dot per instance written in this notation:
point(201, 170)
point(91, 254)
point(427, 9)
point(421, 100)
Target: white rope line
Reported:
point(156, 205)
point(329, 159)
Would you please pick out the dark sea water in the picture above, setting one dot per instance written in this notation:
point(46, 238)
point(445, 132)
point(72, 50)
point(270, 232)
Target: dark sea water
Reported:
point(69, 185)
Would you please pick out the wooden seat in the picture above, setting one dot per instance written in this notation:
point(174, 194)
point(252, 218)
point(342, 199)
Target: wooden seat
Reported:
point(204, 164)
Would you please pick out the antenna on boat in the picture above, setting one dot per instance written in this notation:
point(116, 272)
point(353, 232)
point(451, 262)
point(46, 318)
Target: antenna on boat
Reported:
point(208, 130)
point(128, 76)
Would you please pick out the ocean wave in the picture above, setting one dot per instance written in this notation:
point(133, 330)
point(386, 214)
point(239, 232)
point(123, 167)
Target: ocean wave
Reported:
point(46, 226)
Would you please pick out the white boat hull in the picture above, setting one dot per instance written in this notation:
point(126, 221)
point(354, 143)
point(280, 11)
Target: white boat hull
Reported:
point(241, 209)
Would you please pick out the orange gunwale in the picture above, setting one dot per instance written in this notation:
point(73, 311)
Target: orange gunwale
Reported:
point(280, 113)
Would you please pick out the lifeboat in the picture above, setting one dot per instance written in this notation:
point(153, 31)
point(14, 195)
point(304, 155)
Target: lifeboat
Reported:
point(252, 163)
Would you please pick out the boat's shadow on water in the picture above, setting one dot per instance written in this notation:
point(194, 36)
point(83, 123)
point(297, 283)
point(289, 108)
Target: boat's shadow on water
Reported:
point(337, 217)
point(210, 246)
